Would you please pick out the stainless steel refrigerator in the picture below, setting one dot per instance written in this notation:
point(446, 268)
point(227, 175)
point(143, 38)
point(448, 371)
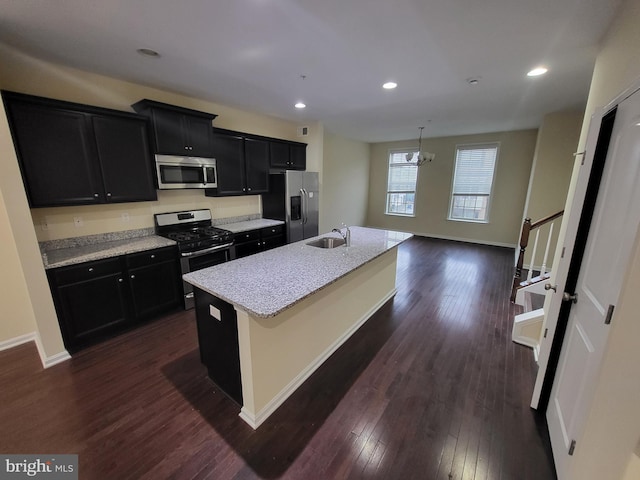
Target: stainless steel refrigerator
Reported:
point(294, 198)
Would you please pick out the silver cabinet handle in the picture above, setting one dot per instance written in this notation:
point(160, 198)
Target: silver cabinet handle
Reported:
point(96, 195)
point(133, 276)
point(109, 194)
point(120, 280)
point(91, 269)
point(153, 256)
point(548, 286)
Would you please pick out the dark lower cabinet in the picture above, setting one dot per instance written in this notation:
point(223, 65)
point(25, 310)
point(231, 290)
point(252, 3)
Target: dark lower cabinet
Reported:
point(218, 342)
point(254, 241)
point(92, 301)
point(98, 299)
point(152, 277)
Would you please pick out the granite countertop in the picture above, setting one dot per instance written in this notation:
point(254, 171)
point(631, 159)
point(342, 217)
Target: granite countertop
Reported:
point(247, 225)
point(87, 251)
point(267, 283)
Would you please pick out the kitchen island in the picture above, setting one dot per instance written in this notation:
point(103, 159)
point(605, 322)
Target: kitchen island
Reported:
point(268, 321)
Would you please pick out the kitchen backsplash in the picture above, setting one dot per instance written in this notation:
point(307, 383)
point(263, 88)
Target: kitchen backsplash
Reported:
point(67, 222)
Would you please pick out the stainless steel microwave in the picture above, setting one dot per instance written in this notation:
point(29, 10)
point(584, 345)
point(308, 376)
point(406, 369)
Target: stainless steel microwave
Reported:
point(186, 172)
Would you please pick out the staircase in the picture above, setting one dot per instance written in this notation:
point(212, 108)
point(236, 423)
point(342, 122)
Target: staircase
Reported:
point(527, 326)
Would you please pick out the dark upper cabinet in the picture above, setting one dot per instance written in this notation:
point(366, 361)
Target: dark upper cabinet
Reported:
point(298, 156)
point(288, 155)
point(229, 155)
point(72, 154)
point(121, 143)
point(256, 156)
point(242, 163)
point(178, 130)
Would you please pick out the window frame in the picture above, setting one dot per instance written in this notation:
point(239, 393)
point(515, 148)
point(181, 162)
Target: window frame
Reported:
point(472, 146)
point(402, 151)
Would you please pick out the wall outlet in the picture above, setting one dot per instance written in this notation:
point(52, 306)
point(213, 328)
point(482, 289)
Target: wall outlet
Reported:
point(78, 222)
point(124, 217)
point(44, 225)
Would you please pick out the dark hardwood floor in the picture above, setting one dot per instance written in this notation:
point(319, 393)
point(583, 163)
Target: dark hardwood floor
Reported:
point(431, 387)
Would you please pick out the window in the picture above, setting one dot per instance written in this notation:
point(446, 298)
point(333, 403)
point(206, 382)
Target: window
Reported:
point(401, 185)
point(472, 181)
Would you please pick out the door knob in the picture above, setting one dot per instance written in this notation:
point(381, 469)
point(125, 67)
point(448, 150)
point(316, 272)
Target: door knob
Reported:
point(567, 297)
point(548, 286)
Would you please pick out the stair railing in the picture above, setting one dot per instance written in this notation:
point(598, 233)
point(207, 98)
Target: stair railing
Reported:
point(527, 228)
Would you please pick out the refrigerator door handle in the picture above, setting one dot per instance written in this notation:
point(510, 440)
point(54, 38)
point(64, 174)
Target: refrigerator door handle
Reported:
point(303, 206)
point(305, 215)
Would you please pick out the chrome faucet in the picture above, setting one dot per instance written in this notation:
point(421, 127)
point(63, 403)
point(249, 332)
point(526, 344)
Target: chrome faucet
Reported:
point(346, 236)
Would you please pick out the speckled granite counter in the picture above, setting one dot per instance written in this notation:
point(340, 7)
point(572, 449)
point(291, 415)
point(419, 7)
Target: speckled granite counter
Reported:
point(267, 283)
point(71, 251)
point(247, 225)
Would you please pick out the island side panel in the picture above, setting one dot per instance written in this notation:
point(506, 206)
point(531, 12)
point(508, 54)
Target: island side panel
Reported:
point(277, 354)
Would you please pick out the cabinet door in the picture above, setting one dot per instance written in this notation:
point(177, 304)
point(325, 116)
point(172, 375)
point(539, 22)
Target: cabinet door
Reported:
point(229, 155)
point(199, 136)
point(256, 157)
point(298, 157)
point(279, 154)
point(168, 132)
point(91, 300)
point(154, 288)
point(56, 153)
point(125, 158)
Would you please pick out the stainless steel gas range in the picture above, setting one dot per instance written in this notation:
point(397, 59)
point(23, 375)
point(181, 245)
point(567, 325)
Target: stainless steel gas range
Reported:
point(200, 244)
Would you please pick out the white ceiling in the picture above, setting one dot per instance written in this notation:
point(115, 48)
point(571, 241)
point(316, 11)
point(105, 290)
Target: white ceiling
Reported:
point(251, 54)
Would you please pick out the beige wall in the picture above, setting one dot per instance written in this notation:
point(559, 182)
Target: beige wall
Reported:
point(434, 187)
point(27, 303)
point(346, 182)
point(16, 315)
point(612, 431)
point(551, 174)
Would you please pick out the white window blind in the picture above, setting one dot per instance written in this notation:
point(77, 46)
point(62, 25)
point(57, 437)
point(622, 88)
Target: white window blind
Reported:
point(472, 182)
point(401, 184)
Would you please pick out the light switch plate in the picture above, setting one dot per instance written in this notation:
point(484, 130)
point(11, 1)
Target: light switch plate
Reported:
point(215, 313)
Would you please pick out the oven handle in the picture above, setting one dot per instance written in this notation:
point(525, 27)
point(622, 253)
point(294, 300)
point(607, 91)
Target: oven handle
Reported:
point(206, 250)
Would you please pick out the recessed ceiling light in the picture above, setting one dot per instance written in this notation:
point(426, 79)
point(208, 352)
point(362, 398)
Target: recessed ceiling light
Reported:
point(147, 52)
point(389, 85)
point(537, 72)
point(300, 105)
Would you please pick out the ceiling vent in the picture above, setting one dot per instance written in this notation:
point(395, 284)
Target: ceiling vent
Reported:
point(303, 131)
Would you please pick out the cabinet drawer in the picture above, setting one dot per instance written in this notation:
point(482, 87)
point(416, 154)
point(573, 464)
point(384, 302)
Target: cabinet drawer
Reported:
point(272, 231)
point(248, 236)
point(87, 271)
point(151, 257)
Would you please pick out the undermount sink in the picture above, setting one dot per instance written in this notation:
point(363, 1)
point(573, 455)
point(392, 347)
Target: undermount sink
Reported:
point(327, 242)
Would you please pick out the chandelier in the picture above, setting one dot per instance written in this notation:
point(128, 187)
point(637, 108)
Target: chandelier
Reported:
point(422, 157)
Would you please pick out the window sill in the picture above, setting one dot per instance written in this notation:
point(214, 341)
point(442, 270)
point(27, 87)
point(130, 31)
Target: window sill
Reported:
point(468, 220)
point(406, 215)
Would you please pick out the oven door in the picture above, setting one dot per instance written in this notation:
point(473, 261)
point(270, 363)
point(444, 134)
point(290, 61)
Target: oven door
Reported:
point(198, 261)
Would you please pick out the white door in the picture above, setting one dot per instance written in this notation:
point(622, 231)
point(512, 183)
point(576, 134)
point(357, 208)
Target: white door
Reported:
point(561, 265)
point(613, 230)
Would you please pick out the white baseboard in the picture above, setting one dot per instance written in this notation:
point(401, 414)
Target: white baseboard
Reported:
point(256, 420)
point(34, 337)
point(16, 341)
point(466, 240)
